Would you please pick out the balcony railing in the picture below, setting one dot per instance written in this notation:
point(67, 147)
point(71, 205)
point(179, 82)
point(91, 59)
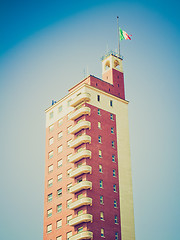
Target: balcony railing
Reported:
point(80, 170)
point(80, 219)
point(82, 235)
point(83, 97)
point(79, 126)
point(79, 155)
point(80, 202)
point(80, 186)
point(79, 112)
point(80, 140)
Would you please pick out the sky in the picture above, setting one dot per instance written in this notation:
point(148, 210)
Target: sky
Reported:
point(46, 47)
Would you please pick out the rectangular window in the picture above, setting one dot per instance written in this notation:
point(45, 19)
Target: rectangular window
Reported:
point(69, 102)
point(80, 229)
point(99, 112)
point(99, 139)
point(79, 180)
point(68, 172)
point(59, 177)
point(69, 128)
point(99, 125)
point(51, 128)
point(60, 134)
point(101, 183)
point(49, 212)
point(69, 156)
point(112, 117)
point(60, 149)
point(59, 207)
point(69, 187)
point(115, 219)
point(69, 201)
point(114, 173)
point(100, 153)
point(50, 182)
point(59, 238)
point(101, 200)
point(59, 192)
point(50, 168)
point(80, 212)
point(113, 144)
point(98, 98)
point(59, 163)
point(102, 216)
point(112, 130)
point(60, 108)
point(60, 122)
point(114, 187)
point(113, 158)
point(100, 168)
point(102, 232)
point(51, 140)
point(80, 196)
point(68, 235)
point(111, 103)
point(50, 154)
point(51, 114)
point(50, 197)
point(68, 219)
point(69, 142)
point(49, 228)
point(115, 203)
point(116, 236)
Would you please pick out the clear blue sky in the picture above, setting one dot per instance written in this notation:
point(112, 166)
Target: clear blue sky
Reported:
point(44, 48)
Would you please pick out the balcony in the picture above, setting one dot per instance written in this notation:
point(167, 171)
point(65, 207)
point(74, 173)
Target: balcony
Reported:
point(79, 155)
point(79, 112)
point(80, 170)
point(80, 186)
point(80, 140)
point(83, 97)
point(80, 219)
point(80, 202)
point(79, 126)
point(82, 235)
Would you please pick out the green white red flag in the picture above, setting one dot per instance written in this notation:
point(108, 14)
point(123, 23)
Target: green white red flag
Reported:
point(124, 35)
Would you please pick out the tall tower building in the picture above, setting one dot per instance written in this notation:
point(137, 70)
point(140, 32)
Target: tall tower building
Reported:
point(88, 183)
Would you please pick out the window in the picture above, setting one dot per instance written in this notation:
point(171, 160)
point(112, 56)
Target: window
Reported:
point(100, 153)
point(60, 149)
point(114, 187)
point(80, 229)
point(99, 125)
point(50, 197)
point(49, 228)
point(79, 180)
point(102, 232)
point(100, 168)
point(99, 112)
point(68, 171)
point(50, 154)
point(79, 165)
point(114, 173)
point(69, 201)
point(59, 163)
point(59, 238)
point(69, 142)
point(101, 200)
point(111, 103)
point(59, 192)
point(101, 183)
point(60, 134)
point(115, 219)
point(49, 212)
point(99, 139)
point(112, 130)
point(68, 235)
point(60, 122)
point(113, 144)
point(98, 98)
point(50, 168)
point(51, 115)
point(80, 212)
point(51, 140)
point(68, 103)
point(69, 186)
point(69, 156)
point(51, 128)
point(116, 236)
point(59, 177)
point(68, 218)
point(60, 108)
point(69, 128)
point(50, 182)
point(115, 203)
point(112, 117)
point(80, 196)
point(59, 207)
point(102, 216)
point(113, 158)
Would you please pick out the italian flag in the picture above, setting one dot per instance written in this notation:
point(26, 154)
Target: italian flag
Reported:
point(123, 35)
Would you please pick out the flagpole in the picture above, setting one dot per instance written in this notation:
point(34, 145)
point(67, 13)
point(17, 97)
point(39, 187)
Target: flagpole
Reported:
point(118, 36)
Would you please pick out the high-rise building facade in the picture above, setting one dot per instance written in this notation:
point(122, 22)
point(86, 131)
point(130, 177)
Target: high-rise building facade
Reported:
point(88, 183)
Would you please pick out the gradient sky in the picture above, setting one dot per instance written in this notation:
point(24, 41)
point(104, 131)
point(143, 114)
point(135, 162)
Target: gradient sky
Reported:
point(46, 47)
